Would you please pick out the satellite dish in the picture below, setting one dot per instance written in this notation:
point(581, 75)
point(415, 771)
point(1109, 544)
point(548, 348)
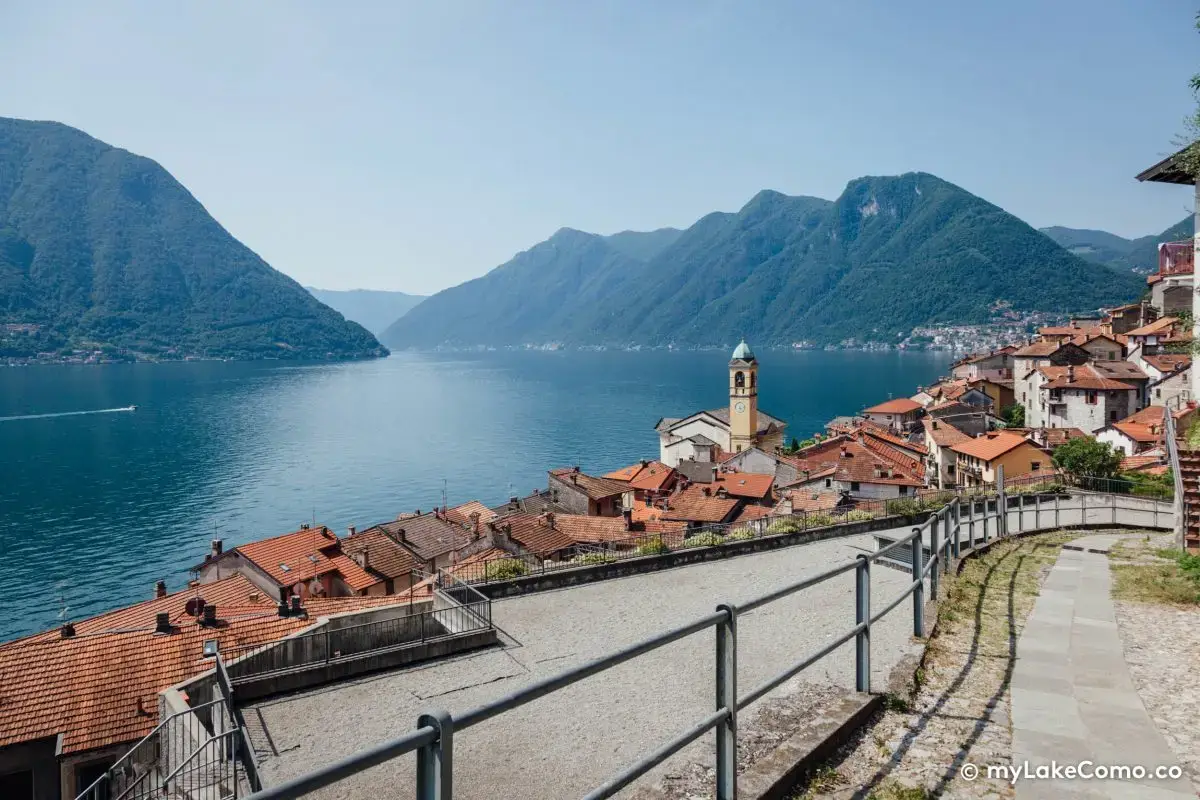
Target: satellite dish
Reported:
point(315, 587)
point(195, 606)
point(298, 589)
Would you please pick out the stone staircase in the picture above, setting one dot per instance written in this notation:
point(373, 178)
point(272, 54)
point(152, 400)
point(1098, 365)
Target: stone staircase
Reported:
point(1189, 468)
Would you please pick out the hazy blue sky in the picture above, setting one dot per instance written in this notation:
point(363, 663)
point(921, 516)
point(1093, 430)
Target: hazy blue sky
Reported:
point(404, 146)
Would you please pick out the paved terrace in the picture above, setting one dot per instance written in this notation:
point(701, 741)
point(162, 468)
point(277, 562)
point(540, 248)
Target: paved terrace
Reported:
point(567, 743)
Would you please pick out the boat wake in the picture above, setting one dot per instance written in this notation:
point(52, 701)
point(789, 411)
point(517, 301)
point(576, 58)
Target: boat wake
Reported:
point(69, 414)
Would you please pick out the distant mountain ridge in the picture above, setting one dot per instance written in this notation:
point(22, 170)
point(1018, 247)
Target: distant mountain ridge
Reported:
point(103, 249)
point(374, 309)
point(1102, 247)
point(890, 254)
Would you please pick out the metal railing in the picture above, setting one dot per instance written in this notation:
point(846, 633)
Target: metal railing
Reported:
point(986, 518)
point(1172, 437)
point(329, 644)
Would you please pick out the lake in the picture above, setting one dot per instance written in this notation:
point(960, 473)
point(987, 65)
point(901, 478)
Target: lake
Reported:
point(96, 507)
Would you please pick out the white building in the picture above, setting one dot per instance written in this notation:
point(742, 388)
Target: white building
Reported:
point(1080, 397)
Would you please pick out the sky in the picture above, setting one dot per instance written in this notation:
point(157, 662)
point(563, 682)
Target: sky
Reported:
point(412, 146)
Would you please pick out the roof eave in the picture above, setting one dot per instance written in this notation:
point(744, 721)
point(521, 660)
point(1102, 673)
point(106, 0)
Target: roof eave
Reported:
point(1168, 171)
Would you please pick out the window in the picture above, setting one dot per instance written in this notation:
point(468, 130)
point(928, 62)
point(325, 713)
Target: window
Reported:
point(1091, 398)
point(752, 374)
point(1034, 466)
point(854, 486)
point(949, 469)
point(17, 784)
point(1158, 393)
point(1112, 356)
point(739, 379)
point(829, 483)
point(903, 490)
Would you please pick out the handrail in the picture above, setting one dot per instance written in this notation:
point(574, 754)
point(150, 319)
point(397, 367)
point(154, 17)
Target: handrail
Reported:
point(435, 732)
point(171, 775)
point(1177, 472)
point(107, 774)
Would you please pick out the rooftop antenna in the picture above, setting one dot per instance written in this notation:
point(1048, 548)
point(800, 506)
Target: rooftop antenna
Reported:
point(443, 494)
point(62, 600)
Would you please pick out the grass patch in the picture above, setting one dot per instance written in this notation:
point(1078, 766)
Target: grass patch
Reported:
point(1163, 584)
point(891, 790)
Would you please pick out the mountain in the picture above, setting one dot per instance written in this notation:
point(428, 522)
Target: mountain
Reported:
point(372, 309)
point(101, 248)
point(890, 254)
point(644, 245)
point(1102, 247)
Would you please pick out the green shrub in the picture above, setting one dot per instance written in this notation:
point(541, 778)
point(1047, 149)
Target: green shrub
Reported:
point(505, 568)
point(785, 525)
point(859, 515)
point(904, 507)
point(818, 520)
point(706, 539)
point(594, 558)
point(741, 534)
point(652, 547)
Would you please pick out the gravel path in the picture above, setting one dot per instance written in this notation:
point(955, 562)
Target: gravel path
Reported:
point(565, 744)
point(1162, 648)
point(962, 708)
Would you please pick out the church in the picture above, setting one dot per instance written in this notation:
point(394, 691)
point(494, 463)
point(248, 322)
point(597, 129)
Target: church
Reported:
point(716, 434)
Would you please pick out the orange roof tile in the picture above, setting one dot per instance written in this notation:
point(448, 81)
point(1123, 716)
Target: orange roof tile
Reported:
point(649, 476)
point(1161, 325)
point(384, 555)
point(1169, 362)
point(991, 445)
point(751, 513)
point(744, 484)
point(537, 533)
point(88, 687)
point(808, 500)
point(943, 434)
point(594, 530)
point(693, 505)
point(899, 405)
point(595, 488)
point(1140, 463)
point(461, 514)
point(296, 556)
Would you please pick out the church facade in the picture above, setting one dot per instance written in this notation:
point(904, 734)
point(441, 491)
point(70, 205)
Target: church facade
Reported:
point(714, 434)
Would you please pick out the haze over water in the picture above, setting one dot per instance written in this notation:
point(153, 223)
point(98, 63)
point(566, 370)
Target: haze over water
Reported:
point(94, 508)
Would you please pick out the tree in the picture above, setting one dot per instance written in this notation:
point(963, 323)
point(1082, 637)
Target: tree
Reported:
point(1013, 416)
point(1087, 456)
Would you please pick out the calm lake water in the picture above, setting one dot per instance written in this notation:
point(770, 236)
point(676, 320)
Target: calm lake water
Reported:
point(94, 508)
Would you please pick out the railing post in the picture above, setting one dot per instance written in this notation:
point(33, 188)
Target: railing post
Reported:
point(985, 520)
point(935, 552)
point(1001, 504)
point(957, 527)
point(435, 761)
point(919, 586)
point(862, 616)
point(971, 521)
point(1057, 497)
point(726, 673)
point(1113, 497)
point(1083, 509)
point(327, 653)
point(1037, 511)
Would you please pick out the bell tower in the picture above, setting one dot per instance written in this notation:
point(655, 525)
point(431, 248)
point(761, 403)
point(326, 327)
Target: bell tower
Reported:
point(743, 398)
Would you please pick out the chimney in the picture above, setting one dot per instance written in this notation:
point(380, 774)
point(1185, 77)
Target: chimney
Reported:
point(707, 491)
point(627, 518)
point(162, 622)
point(351, 530)
point(474, 517)
point(1070, 373)
point(549, 515)
point(217, 547)
point(365, 557)
point(645, 463)
point(283, 608)
point(575, 469)
point(575, 476)
point(514, 503)
point(68, 630)
point(160, 589)
point(400, 535)
point(935, 424)
point(296, 610)
point(845, 453)
point(209, 620)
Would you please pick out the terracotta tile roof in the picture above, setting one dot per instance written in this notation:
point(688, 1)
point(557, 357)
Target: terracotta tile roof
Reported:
point(1069, 330)
point(428, 535)
point(1145, 426)
point(751, 513)
point(899, 405)
point(294, 557)
point(885, 433)
point(991, 445)
point(1085, 376)
point(1140, 462)
point(1037, 349)
point(384, 555)
point(943, 434)
point(1161, 325)
point(537, 533)
point(745, 484)
point(766, 422)
point(1056, 436)
point(846, 459)
point(595, 488)
point(536, 503)
point(88, 687)
point(1169, 362)
point(595, 530)
point(693, 505)
point(1119, 370)
point(461, 514)
point(649, 476)
point(809, 500)
point(913, 463)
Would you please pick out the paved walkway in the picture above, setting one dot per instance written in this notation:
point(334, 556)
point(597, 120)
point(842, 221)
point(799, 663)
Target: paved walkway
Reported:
point(1072, 696)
